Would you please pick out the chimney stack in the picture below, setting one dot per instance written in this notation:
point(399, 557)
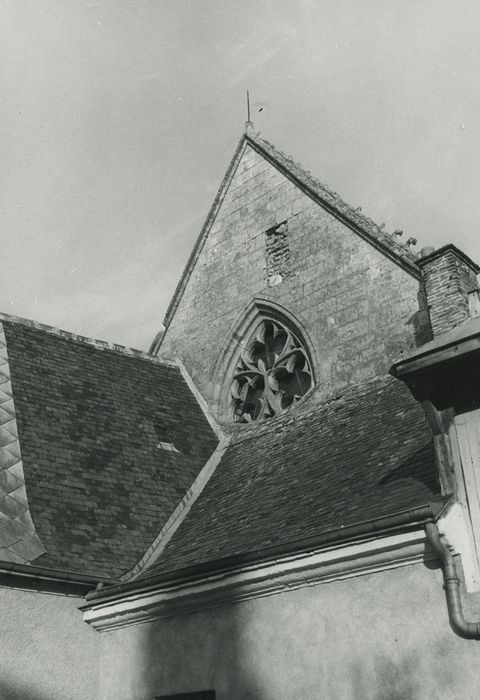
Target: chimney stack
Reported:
point(449, 277)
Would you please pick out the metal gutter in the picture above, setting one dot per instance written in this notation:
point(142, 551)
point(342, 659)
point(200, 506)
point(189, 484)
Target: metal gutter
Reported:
point(465, 629)
point(374, 527)
point(34, 573)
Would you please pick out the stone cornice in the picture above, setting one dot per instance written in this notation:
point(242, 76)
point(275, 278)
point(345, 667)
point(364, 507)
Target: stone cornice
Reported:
point(258, 580)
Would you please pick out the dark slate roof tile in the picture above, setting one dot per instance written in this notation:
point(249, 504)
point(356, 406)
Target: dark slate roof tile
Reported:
point(363, 455)
point(90, 421)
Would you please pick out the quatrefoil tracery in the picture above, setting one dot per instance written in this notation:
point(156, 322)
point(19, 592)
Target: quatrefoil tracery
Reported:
point(272, 373)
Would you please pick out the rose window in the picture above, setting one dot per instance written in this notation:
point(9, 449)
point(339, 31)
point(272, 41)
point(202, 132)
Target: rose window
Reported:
point(272, 373)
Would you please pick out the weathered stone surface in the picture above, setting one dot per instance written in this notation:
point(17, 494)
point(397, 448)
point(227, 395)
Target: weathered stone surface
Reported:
point(360, 307)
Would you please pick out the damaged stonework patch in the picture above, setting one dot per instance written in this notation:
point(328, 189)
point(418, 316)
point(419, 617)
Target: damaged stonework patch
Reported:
point(277, 253)
point(19, 541)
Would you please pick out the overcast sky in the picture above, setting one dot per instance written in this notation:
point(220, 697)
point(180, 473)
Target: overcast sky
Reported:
point(119, 117)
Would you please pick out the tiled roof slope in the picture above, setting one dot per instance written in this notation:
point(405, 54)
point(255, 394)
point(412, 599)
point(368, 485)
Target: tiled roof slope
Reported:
point(317, 468)
point(90, 424)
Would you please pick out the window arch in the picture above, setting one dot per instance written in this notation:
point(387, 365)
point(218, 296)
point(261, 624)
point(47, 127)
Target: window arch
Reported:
point(271, 372)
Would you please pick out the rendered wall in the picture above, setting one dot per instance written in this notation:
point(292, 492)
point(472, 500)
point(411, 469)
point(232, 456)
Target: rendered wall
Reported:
point(360, 308)
point(384, 636)
point(47, 651)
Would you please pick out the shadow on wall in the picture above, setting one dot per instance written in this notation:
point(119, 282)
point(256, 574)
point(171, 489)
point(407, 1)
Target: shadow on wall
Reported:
point(380, 636)
point(394, 681)
point(196, 652)
point(420, 321)
point(400, 680)
point(18, 690)
point(214, 650)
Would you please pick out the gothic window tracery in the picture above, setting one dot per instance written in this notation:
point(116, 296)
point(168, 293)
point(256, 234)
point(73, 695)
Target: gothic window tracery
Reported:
point(272, 372)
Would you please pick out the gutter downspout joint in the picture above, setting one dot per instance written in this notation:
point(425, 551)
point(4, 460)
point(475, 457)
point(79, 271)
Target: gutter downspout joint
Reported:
point(465, 629)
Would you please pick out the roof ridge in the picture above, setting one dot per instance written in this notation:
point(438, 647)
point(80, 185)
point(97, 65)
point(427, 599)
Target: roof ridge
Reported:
point(178, 515)
point(84, 340)
point(333, 199)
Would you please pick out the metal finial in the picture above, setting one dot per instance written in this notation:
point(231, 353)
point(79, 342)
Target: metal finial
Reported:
point(248, 123)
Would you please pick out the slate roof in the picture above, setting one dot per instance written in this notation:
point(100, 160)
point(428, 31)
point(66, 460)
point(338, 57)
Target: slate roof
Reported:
point(90, 423)
point(316, 468)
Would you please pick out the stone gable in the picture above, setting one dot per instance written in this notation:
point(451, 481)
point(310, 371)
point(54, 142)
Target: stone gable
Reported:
point(271, 240)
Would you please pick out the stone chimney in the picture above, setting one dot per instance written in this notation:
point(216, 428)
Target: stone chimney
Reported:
point(450, 278)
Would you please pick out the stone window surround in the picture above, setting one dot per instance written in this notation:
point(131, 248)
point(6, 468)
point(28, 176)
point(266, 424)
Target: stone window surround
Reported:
point(272, 372)
point(227, 359)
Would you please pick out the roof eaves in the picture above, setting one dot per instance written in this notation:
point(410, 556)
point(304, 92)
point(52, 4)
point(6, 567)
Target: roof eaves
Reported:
point(458, 342)
point(33, 573)
point(436, 356)
point(373, 527)
point(365, 226)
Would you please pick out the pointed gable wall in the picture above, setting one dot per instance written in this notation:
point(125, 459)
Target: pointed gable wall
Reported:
point(358, 304)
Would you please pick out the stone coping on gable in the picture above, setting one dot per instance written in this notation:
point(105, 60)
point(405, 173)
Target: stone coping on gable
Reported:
point(94, 342)
point(314, 188)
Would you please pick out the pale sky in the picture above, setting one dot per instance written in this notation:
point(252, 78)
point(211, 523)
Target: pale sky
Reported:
point(119, 118)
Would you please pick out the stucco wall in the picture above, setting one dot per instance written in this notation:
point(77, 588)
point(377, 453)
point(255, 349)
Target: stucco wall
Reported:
point(47, 651)
point(359, 307)
point(384, 636)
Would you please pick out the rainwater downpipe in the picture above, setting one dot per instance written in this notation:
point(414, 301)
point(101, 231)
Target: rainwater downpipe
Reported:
point(468, 630)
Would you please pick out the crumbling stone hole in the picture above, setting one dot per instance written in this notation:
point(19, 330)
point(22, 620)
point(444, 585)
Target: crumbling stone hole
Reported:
point(277, 253)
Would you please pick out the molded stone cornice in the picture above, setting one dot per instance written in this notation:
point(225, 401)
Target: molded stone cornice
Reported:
point(268, 578)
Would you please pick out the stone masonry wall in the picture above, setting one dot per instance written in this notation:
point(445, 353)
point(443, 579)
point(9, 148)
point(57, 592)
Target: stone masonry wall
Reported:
point(360, 309)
